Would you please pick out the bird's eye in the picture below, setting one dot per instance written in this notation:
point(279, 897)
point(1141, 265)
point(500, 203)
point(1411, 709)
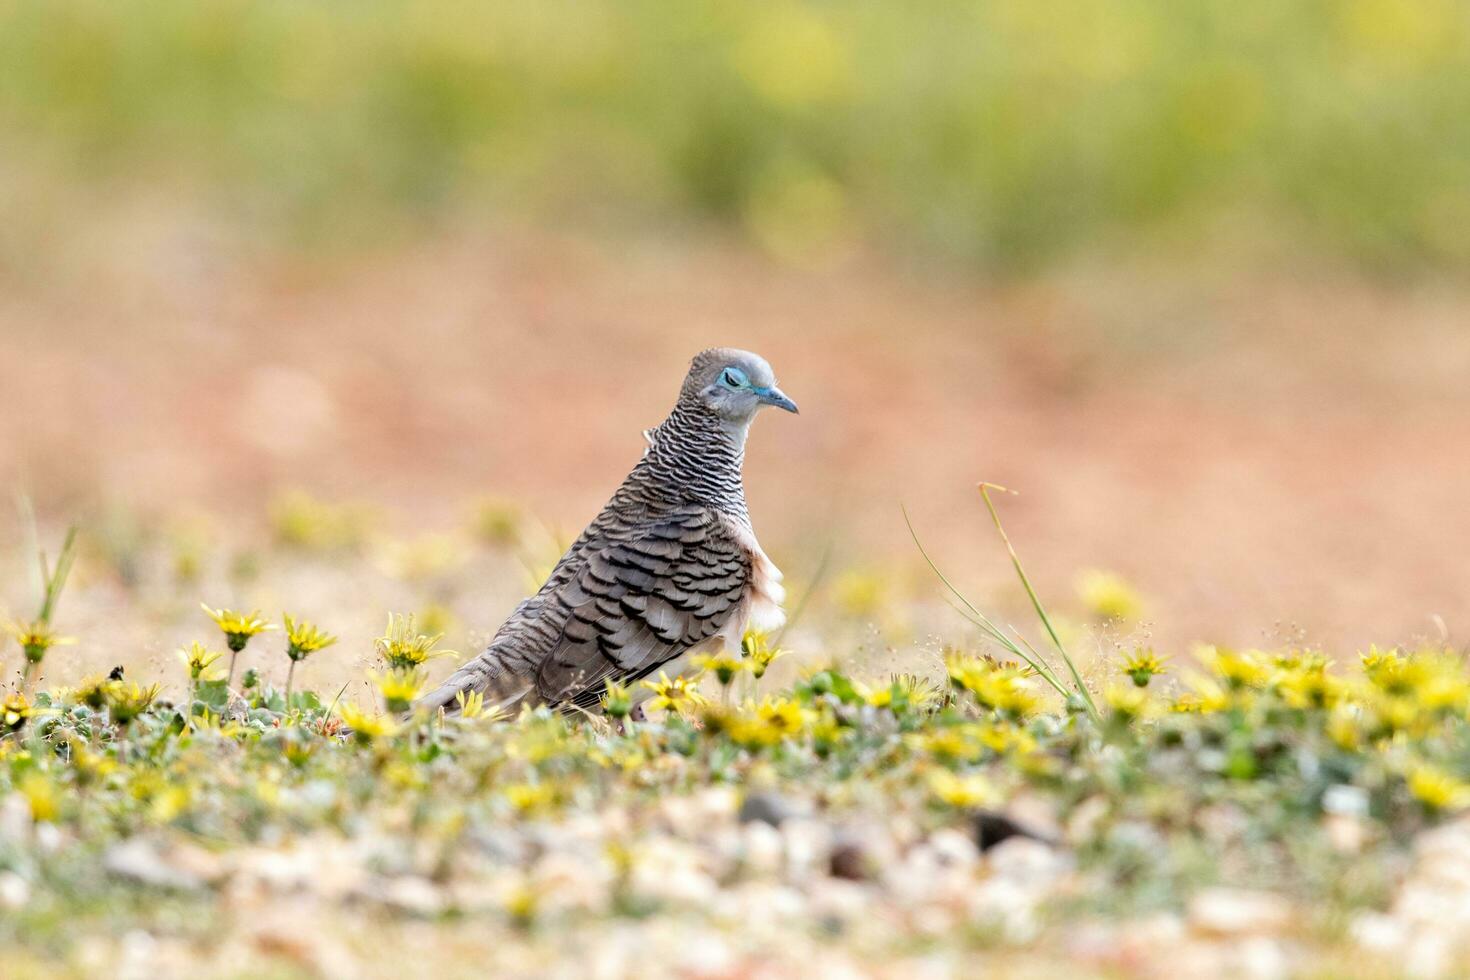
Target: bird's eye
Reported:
point(733, 378)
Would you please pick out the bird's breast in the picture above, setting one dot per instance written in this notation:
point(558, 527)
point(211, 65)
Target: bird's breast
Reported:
point(761, 610)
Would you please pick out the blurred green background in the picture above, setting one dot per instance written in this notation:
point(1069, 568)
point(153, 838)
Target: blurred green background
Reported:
point(1004, 135)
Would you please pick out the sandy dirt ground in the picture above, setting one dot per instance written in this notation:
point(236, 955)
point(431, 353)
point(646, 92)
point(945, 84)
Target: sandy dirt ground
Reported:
point(1267, 458)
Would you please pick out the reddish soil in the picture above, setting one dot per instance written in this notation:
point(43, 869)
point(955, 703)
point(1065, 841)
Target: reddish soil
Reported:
point(1252, 454)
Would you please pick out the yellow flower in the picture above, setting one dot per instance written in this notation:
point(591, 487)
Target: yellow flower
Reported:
point(303, 639)
point(1432, 682)
point(472, 707)
point(1005, 690)
point(955, 743)
point(497, 522)
point(399, 687)
point(365, 727)
point(127, 701)
point(1238, 670)
point(197, 661)
point(1206, 696)
point(423, 558)
point(773, 721)
point(718, 719)
point(877, 697)
point(1309, 686)
point(1344, 728)
point(1307, 660)
point(302, 521)
point(782, 715)
point(238, 628)
point(757, 648)
point(403, 646)
point(1397, 714)
point(1143, 665)
point(1388, 671)
point(826, 731)
point(676, 695)
point(14, 710)
point(529, 798)
point(435, 618)
point(859, 594)
point(1128, 703)
point(965, 671)
point(92, 692)
point(960, 791)
point(1437, 789)
point(722, 665)
point(207, 722)
point(902, 691)
point(616, 700)
point(1108, 596)
point(91, 767)
point(43, 796)
point(1439, 682)
point(35, 638)
point(1006, 737)
point(1375, 660)
point(917, 692)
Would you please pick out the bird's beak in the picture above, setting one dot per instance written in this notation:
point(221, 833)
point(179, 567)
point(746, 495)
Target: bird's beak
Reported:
point(776, 397)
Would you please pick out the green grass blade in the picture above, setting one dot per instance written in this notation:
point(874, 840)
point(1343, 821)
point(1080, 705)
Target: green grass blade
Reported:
point(1056, 640)
point(980, 619)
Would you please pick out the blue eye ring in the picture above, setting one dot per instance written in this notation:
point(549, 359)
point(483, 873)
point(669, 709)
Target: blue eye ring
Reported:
point(733, 377)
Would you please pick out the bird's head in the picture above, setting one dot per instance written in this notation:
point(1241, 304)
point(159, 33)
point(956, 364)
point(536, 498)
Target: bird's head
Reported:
point(733, 384)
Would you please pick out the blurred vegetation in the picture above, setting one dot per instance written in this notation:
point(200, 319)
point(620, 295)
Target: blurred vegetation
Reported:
point(1005, 133)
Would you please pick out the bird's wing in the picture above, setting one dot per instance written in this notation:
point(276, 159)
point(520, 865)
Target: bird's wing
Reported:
point(642, 597)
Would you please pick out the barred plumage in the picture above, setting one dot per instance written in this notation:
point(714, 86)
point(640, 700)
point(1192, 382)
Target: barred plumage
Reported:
point(670, 566)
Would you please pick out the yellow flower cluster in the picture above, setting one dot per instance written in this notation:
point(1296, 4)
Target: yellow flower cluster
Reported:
point(1003, 688)
point(974, 741)
point(769, 723)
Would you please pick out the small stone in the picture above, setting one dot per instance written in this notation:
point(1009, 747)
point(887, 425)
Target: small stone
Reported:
point(861, 851)
point(1027, 862)
point(15, 891)
point(850, 860)
point(837, 903)
point(1380, 933)
point(1238, 911)
point(1086, 820)
point(1346, 834)
point(139, 860)
point(992, 827)
point(1345, 800)
point(768, 808)
point(15, 819)
point(953, 848)
point(1261, 958)
point(762, 850)
point(204, 864)
point(808, 846)
point(410, 894)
